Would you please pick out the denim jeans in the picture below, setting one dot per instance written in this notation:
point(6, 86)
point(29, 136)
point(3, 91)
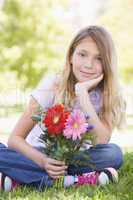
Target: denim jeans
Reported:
point(27, 172)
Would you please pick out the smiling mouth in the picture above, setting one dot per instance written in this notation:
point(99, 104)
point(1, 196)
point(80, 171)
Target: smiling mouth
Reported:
point(86, 73)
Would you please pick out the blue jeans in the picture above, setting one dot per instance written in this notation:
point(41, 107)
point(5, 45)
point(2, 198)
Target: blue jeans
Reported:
point(27, 172)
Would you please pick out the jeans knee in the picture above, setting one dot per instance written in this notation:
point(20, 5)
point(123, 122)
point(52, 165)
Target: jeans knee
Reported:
point(115, 155)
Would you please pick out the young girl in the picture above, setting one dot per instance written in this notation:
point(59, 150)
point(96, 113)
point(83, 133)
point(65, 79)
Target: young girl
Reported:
point(88, 82)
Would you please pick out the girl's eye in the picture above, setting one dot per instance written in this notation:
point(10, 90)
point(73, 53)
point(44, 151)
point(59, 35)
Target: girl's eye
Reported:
point(99, 58)
point(81, 54)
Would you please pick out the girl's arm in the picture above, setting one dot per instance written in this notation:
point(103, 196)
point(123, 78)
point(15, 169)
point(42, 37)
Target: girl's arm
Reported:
point(101, 131)
point(17, 142)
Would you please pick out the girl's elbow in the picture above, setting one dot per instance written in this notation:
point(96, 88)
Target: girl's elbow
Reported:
point(103, 139)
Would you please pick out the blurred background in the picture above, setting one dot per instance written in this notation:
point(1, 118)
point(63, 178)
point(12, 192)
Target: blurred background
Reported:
point(34, 37)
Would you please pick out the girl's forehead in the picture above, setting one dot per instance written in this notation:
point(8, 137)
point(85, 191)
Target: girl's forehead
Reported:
point(87, 44)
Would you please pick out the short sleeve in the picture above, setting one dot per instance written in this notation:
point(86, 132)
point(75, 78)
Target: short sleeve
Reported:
point(44, 92)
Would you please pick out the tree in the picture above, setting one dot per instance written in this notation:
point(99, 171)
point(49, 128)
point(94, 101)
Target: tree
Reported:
point(31, 39)
point(118, 18)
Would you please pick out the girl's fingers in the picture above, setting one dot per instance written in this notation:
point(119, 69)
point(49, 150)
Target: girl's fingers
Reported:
point(95, 81)
point(57, 168)
point(56, 177)
point(53, 173)
point(100, 77)
point(56, 162)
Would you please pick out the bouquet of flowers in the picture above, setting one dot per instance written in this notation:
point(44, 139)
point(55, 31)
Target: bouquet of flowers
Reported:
point(63, 131)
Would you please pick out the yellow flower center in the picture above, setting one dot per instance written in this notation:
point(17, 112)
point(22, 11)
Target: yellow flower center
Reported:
point(55, 119)
point(75, 125)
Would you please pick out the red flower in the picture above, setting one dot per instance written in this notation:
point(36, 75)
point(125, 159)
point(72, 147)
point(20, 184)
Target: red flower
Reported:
point(55, 119)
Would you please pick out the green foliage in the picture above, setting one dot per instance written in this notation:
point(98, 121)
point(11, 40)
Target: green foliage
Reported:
point(118, 17)
point(30, 34)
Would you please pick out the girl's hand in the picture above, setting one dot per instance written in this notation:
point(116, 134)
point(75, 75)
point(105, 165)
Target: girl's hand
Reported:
point(54, 168)
point(87, 85)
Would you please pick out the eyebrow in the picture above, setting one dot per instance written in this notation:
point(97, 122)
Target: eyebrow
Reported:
point(83, 50)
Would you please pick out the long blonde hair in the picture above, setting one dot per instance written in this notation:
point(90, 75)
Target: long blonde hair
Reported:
point(113, 108)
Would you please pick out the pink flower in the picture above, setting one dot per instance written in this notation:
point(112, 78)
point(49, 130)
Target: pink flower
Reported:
point(75, 126)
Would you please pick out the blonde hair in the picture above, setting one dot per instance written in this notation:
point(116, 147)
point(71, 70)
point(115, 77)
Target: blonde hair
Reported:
point(113, 108)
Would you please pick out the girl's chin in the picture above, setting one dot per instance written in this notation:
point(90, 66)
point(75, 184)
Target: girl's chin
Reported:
point(83, 79)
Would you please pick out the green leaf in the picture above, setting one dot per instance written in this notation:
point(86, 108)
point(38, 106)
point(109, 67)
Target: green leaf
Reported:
point(36, 118)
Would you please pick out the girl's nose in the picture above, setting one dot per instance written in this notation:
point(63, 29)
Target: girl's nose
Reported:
point(88, 65)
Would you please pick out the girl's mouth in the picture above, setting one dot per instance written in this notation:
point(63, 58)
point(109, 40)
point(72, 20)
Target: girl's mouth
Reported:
point(86, 73)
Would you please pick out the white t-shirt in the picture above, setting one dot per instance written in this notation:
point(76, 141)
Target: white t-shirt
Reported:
point(44, 95)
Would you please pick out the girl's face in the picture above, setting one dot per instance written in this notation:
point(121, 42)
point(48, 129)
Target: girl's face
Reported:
point(86, 60)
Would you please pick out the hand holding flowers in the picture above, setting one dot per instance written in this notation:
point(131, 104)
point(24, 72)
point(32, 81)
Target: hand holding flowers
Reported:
point(63, 132)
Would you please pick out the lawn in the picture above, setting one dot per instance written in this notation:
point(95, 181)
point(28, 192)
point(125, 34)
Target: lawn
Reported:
point(123, 190)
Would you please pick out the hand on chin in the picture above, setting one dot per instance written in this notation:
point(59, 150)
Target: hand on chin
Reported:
point(83, 79)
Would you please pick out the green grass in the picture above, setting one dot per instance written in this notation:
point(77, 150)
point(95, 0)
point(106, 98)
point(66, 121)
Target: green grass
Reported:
point(118, 191)
point(123, 190)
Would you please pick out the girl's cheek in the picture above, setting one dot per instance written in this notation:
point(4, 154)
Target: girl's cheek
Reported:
point(75, 62)
point(99, 69)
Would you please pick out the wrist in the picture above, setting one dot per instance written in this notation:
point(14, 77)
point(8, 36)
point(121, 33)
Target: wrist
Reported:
point(41, 159)
point(80, 90)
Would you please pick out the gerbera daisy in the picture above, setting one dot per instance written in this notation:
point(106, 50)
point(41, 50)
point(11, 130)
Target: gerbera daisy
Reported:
point(55, 119)
point(76, 125)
